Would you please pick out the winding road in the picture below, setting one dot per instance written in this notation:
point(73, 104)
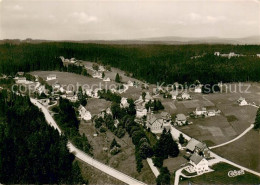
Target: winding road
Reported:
point(85, 157)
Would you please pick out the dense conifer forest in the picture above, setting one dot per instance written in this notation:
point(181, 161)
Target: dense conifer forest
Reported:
point(152, 63)
point(31, 151)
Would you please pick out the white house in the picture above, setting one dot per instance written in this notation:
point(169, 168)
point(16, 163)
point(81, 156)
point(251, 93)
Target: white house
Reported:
point(200, 111)
point(157, 122)
point(21, 80)
point(101, 68)
point(84, 114)
point(106, 79)
point(199, 163)
point(180, 119)
point(130, 83)
point(140, 111)
point(51, 77)
point(154, 123)
point(198, 89)
point(124, 103)
point(211, 113)
point(97, 75)
point(242, 101)
point(148, 97)
point(216, 53)
point(70, 96)
point(174, 94)
point(185, 96)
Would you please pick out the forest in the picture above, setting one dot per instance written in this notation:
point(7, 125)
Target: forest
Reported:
point(151, 63)
point(31, 151)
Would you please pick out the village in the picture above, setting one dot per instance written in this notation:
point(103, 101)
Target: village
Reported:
point(197, 122)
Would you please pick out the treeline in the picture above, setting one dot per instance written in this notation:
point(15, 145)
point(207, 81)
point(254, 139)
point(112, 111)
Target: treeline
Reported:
point(31, 151)
point(67, 120)
point(152, 63)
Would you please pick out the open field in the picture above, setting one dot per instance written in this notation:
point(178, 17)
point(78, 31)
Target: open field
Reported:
point(95, 106)
point(220, 176)
point(245, 151)
point(123, 161)
point(173, 164)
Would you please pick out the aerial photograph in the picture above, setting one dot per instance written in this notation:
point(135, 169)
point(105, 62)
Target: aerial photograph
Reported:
point(138, 92)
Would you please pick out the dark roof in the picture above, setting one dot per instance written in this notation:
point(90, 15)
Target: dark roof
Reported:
point(191, 144)
point(196, 158)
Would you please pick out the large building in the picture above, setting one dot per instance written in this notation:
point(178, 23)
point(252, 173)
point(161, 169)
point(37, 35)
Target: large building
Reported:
point(199, 163)
point(157, 122)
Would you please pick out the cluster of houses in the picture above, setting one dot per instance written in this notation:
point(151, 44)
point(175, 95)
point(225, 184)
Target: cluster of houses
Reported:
point(198, 155)
point(202, 111)
point(228, 55)
point(141, 111)
point(21, 79)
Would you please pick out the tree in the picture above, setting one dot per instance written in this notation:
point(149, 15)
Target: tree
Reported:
point(145, 150)
point(164, 177)
point(117, 79)
point(103, 75)
point(114, 144)
point(95, 66)
point(257, 120)
point(143, 95)
point(181, 139)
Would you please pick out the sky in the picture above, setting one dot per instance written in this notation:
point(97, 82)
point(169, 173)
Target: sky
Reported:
point(127, 19)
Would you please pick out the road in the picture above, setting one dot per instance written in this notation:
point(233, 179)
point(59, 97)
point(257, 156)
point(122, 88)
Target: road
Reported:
point(236, 138)
point(153, 168)
point(85, 157)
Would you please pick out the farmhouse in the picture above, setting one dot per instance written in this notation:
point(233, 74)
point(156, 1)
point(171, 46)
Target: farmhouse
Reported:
point(198, 89)
point(51, 77)
point(211, 113)
point(148, 97)
point(242, 101)
point(155, 123)
point(166, 116)
point(70, 96)
point(101, 68)
point(20, 73)
point(124, 103)
point(158, 122)
point(185, 96)
point(84, 114)
point(141, 111)
point(106, 79)
point(216, 53)
point(174, 94)
point(199, 163)
point(200, 111)
point(21, 80)
point(97, 75)
point(195, 146)
point(130, 83)
point(180, 120)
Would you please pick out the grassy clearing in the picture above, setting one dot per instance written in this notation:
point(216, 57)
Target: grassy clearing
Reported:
point(95, 176)
point(244, 151)
point(220, 176)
